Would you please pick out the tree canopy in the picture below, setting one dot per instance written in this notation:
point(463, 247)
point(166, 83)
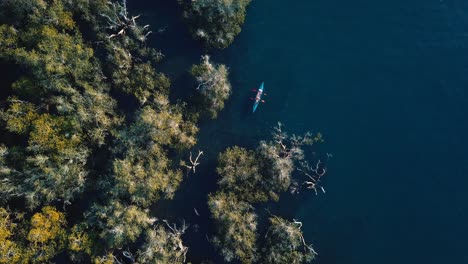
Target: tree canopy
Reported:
point(236, 226)
point(284, 243)
point(90, 141)
point(215, 22)
point(35, 241)
point(213, 85)
point(256, 176)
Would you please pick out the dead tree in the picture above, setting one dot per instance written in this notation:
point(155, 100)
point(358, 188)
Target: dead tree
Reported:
point(119, 22)
point(194, 163)
point(290, 146)
point(314, 175)
point(212, 77)
point(176, 234)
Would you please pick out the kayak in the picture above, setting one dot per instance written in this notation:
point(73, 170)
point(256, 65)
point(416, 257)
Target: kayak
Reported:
point(258, 98)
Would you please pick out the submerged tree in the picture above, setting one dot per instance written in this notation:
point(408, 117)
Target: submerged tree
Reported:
point(64, 121)
point(51, 167)
point(284, 154)
point(127, 58)
point(60, 104)
point(249, 176)
point(242, 173)
point(163, 245)
point(285, 243)
point(119, 223)
point(236, 226)
point(262, 174)
point(215, 22)
point(213, 84)
point(143, 171)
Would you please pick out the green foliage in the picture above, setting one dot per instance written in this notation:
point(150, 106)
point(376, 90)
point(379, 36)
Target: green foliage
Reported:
point(47, 234)
point(61, 70)
point(17, 11)
point(213, 85)
point(236, 226)
point(241, 173)
point(285, 243)
point(35, 241)
point(249, 176)
point(105, 259)
point(284, 154)
point(62, 107)
point(10, 251)
point(119, 223)
point(143, 83)
point(145, 173)
point(165, 126)
point(263, 174)
point(80, 243)
point(63, 114)
point(123, 42)
point(43, 171)
point(162, 246)
point(215, 22)
point(19, 116)
point(65, 121)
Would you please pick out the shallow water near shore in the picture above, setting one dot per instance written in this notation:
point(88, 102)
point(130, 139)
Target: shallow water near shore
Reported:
point(387, 85)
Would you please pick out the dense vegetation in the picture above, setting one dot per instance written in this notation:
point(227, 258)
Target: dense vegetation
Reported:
point(251, 177)
point(213, 85)
point(89, 140)
point(62, 110)
point(215, 22)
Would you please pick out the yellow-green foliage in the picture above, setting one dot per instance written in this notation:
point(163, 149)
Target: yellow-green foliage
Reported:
point(61, 106)
point(79, 240)
point(120, 223)
point(61, 63)
point(47, 235)
point(213, 84)
point(19, 116)
point(46, 226)
point(162, 246)
point(48, 134)
point(145, 173)
point(144, 176)
point(10, 252)
point(285, 243)
point(106, 259)
point(167, 127)
point(236, 226)
point(241, 173)
point(139, 79)
point(215, 22)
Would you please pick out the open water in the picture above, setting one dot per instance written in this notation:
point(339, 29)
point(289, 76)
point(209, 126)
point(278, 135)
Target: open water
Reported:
point(386, 82)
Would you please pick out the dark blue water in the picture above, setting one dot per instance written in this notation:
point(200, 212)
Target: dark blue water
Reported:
point(387, 85)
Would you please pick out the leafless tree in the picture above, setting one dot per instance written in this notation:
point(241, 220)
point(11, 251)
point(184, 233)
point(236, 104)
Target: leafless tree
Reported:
point(176, 234)
point(194, 163)
point(314, 175)
point(119, 21)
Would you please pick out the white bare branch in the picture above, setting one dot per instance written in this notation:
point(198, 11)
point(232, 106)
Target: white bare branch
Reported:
point(194, 163)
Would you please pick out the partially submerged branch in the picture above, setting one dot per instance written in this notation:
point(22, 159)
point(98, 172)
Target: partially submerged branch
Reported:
point(119, 23)
point(314, 175)
point(193, 163)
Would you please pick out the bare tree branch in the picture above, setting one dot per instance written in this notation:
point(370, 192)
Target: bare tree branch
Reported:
point(194, 163)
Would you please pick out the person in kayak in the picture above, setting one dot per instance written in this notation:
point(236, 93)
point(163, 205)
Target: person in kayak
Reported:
point(257, 98)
